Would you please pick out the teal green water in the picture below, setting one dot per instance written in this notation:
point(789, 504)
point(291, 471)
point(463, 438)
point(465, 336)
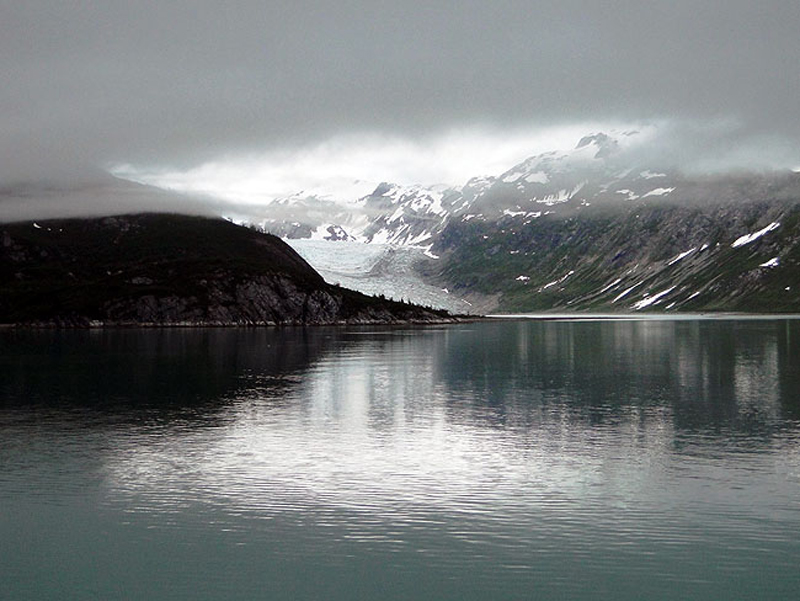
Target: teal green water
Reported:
point(494, 460)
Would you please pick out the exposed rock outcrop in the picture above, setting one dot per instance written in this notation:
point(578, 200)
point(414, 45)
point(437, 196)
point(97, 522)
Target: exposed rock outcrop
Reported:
point(171, 270)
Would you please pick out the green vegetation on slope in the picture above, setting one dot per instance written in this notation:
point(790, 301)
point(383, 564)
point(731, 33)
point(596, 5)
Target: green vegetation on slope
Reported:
point(587, 262)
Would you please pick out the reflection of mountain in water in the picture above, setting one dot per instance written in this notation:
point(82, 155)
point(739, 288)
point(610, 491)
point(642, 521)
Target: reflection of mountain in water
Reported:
point(720, 376)
point(716, 375)
point(150, 368)
point(495, 457)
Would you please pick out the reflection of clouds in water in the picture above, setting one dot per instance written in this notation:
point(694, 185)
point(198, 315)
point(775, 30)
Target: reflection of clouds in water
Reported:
point(400, 442)
point(378, 430)
point(502, 457)
point(390, 418)
point(756, 381)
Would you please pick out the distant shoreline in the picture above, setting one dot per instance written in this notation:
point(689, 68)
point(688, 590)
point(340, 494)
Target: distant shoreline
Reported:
point(100, 325)
point(563, 317)
point(711, 316)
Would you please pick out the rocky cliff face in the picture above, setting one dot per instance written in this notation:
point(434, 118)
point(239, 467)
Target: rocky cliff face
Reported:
point(171, 270)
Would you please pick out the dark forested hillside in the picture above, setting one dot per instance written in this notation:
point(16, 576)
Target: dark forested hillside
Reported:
point(170, 269)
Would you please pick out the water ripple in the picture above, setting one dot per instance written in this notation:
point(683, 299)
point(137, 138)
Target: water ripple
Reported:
point(433, 463)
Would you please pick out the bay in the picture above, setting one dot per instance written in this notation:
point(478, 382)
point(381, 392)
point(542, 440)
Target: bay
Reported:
point(513, 459)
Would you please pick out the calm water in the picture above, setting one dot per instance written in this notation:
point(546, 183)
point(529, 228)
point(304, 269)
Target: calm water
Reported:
point(500, 460)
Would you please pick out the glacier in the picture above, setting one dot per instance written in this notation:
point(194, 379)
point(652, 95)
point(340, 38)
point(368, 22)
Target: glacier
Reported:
point(376, 269)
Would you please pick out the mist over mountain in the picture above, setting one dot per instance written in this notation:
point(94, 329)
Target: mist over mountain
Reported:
point(596, 228)
point(600, 171)
point(171, 86)
point(441, 126)
point(606, 225)
point(96, 194)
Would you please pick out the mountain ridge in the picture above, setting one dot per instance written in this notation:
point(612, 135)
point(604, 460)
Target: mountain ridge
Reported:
point(556, 229)
point(166, 269)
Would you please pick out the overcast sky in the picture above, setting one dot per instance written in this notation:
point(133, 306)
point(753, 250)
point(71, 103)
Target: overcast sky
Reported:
point(174, 85)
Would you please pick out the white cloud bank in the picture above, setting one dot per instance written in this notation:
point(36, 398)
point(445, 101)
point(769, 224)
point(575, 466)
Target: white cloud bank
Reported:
point(348, 167)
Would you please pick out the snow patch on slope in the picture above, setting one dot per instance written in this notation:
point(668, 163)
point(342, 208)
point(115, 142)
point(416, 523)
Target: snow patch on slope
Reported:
point(748, 238)
point(538, 177)
point(556, 282)
point(629, 193)
point(659, 192)
point(773, 262)
point(652, 300)
point(651, 175)
point(625, 292)
point(680, 256)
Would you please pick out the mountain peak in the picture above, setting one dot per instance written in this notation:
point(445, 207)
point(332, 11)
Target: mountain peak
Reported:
point(606, 145)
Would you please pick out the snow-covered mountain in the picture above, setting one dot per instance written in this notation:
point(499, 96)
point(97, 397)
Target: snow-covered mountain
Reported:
point(594, 171)
point(588, 228)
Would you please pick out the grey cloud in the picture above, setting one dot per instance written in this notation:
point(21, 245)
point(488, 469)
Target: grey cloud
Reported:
point(100, 195)
point(172, 83)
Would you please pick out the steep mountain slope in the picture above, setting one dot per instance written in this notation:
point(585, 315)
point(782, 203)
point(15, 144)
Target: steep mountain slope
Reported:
point(170, 269)
point(598, 228)
point(741, 255)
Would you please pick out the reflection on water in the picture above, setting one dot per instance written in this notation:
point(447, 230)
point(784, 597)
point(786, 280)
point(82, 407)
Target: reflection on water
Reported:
point(519, 459)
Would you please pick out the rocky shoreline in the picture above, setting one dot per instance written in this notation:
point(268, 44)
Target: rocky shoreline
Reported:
point(99, 325)
point(173, 271)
